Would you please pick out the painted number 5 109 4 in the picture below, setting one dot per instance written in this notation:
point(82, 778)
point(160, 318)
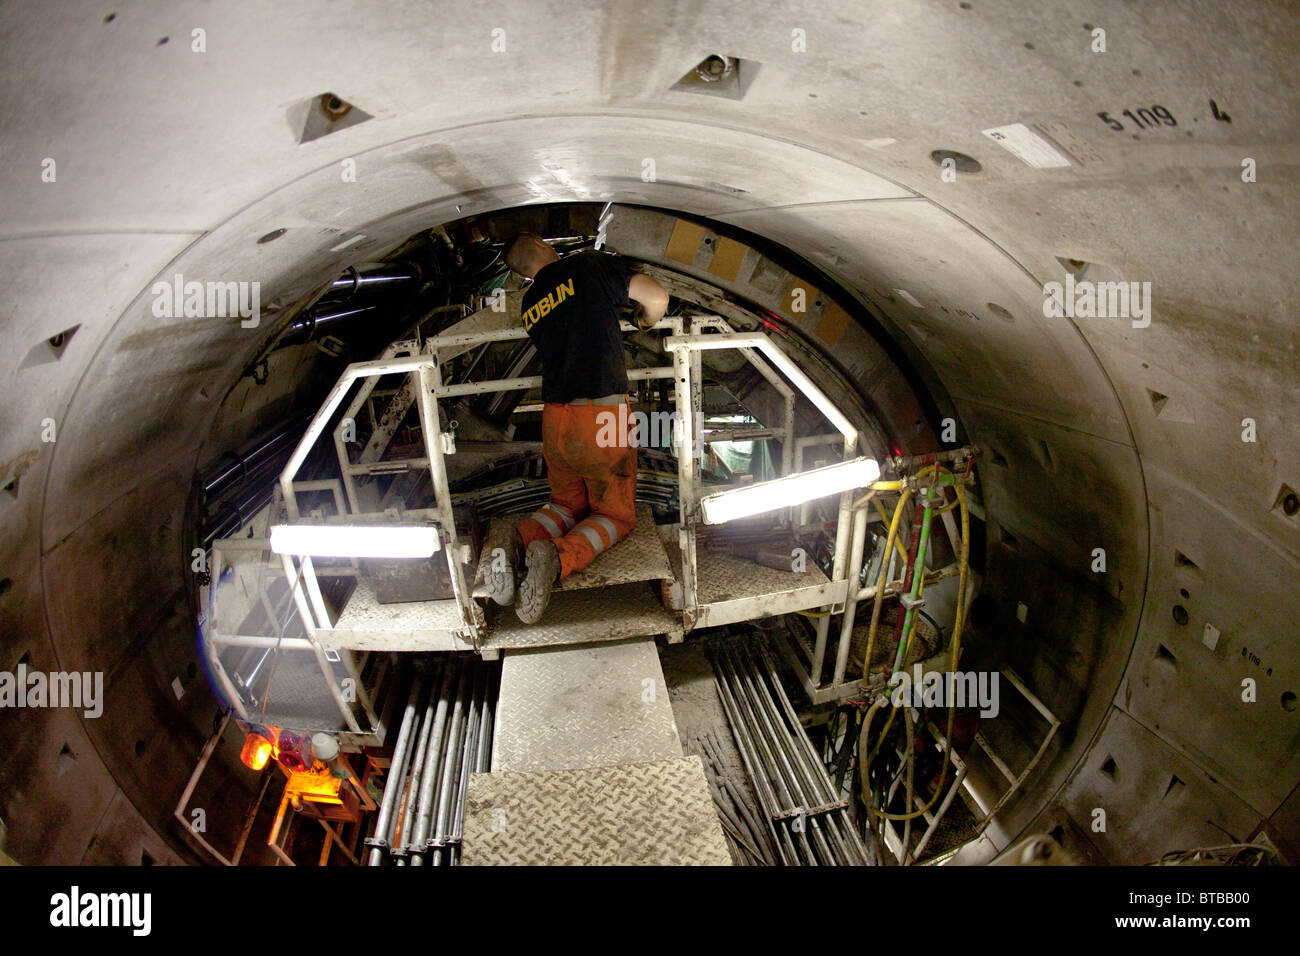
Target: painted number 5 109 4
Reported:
point(1144, 118)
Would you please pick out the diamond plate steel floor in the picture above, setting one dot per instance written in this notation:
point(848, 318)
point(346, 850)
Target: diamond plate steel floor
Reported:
point(582, 617)
point(638, 557)
point(723, 577)
point(656, 814)
point(367, 625)
point(594, 706)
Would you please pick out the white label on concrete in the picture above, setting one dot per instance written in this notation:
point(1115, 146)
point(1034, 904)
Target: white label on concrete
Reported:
point(908, 298)
point(1072, 145)
point(1027, 146)
point(1211, 636)
point(1022, 612)
point(347, 242)
point(177, 688)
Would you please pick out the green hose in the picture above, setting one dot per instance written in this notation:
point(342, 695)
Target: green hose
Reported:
point(918, 573)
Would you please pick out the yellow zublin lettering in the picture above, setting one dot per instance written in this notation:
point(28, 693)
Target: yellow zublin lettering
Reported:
point(544, 306)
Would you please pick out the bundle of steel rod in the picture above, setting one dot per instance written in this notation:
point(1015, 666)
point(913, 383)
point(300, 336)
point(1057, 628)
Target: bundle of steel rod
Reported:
point(445, 735)
point(742, 823)
point(807, 820)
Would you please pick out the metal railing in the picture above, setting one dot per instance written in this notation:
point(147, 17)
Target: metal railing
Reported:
point(423, 388)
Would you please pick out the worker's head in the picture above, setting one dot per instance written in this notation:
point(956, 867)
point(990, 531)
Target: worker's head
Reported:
point(526, 253)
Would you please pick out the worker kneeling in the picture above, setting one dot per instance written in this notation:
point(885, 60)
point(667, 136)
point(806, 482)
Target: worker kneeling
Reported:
point(571, 313)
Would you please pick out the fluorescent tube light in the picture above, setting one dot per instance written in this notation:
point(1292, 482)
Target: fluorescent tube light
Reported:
point(353, 541)
point(792, 490)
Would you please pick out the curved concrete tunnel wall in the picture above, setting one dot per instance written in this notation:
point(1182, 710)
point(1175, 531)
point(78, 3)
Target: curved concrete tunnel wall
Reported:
point(1129, 439)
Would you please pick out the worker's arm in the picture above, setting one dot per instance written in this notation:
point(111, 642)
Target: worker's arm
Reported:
point(651, 300)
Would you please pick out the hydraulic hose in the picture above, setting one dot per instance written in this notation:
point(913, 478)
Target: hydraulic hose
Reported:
point(906, 493)
point(918, 582)
point(866, 757)
point(955, 656)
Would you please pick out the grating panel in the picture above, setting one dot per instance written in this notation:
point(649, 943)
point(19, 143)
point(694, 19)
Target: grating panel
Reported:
point(722, 577)
point(295, 693)
point(657, 814)
point(590, 706)
point(365, 624)
point(638, 557)
point(581, 617)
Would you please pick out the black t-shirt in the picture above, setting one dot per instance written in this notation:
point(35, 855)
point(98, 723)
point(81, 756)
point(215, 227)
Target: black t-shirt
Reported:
point(571, 312)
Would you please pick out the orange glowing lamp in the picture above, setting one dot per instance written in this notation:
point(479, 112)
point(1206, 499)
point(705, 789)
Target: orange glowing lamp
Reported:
point(256, 752)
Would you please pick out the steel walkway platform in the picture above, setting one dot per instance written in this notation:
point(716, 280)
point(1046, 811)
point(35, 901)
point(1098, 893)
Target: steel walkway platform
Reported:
point(638, 557)
point(583, 707)
point(651, 814)
point(582, 617)
point(588, 768)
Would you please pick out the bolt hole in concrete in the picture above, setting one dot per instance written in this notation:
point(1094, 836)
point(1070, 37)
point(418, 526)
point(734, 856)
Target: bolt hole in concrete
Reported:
point(271, 236)
point(961, 162)
point(712, 68)
point(1288, 702)
point(1184, 592)
point(139, 748)
point(334, 105)
point(1180, 614)
point(1290, 504)
point(6, 585)
point(1001, 313)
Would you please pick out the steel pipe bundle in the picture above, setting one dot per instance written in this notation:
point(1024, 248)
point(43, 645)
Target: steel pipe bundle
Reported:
point(351, 298)
point(806, 818)
point(445, 735)
point(525, 495)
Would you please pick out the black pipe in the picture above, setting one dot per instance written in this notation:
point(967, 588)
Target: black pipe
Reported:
point(324, 322)
point(352, 281)
point(235, 513)
point(350, 298)
point(236, 466)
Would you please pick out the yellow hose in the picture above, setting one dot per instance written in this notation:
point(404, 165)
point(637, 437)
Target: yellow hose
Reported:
point(952, 666)
point(898, 542)
point(880, 583)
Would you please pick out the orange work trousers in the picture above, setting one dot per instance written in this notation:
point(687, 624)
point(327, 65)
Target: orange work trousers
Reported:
point(592, 467)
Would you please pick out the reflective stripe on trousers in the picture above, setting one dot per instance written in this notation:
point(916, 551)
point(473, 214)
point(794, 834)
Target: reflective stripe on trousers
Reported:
point(592, 480)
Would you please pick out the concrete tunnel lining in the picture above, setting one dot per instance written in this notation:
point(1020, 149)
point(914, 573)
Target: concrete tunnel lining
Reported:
point(138, 389)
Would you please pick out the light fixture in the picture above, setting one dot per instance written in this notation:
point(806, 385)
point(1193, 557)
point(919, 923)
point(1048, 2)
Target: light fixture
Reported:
point(354, 541)
point(256, 752)
point(792, 490)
